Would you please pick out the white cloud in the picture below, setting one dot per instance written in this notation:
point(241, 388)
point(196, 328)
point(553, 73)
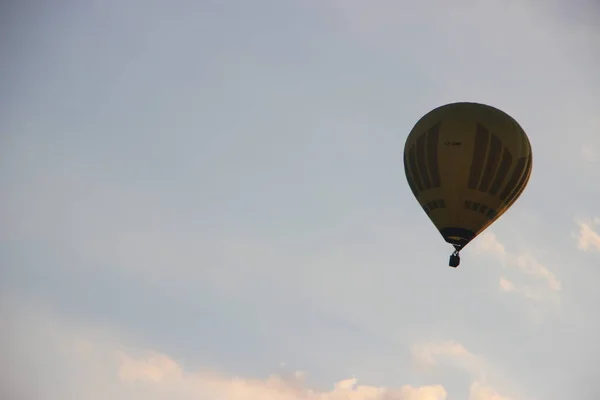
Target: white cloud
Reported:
point(506, 285)
point(530, 266)
point(448, 352)
point(436, 354)
point(488, 243)
point(589, 238)
point(71, 362)
point(527, 277)
point(159, 374)
point(524, 262)
point(428, 354)
point(480, 391)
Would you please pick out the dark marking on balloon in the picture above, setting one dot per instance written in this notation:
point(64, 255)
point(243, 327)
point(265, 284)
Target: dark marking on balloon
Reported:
point(433, 139)
point(491, 214)
point(479, 152)
point(480, 208)
point(433, 205)
point(514, 179)
point(413, 168)
point(422, 161)
point(409, 178)
point(491, 164)
point(502, 172)
point(522, 182)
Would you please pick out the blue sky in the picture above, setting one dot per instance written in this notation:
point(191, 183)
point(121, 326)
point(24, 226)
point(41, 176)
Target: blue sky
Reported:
point(206, 200)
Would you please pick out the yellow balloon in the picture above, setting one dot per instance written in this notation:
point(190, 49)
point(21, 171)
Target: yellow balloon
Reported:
point(466, 163)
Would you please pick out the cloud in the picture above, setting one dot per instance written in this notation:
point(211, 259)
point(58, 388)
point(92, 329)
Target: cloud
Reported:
point(480, 391)
point(529, 278)
point(426, 354)
point(72, 362)
point(75, 361)
point(488, 243)
point(160, 374)
point(588, 238)
point(433, 354)
point(525, 263)
point(277, 388)
point(506, 285)
point(528, 265)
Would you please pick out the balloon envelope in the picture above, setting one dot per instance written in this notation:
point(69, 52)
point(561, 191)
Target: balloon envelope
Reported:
point(466, 164)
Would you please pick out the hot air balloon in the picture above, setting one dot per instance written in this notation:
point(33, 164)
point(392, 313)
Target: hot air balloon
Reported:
point(466, 164)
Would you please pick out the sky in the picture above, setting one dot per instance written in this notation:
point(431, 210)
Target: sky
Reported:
point(206, 200)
